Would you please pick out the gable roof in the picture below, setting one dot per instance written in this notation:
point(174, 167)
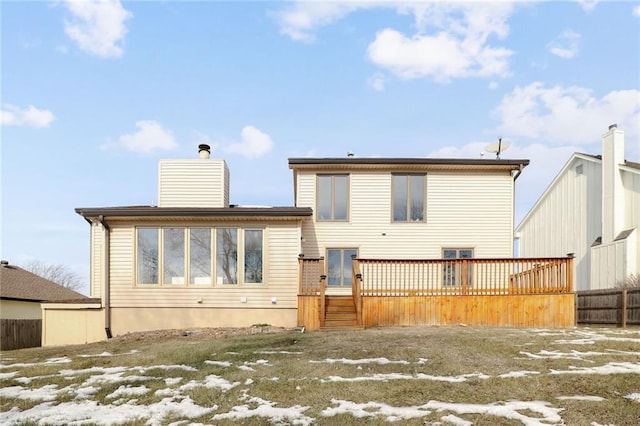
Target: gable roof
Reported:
point(567, 165)
point(627, 165)
point(20, 284)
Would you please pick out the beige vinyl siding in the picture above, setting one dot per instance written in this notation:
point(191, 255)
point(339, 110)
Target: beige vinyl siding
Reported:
point(463, 209)
point(97, 261)
point(20, 309)
point(567, 219)
point(280, 277)
point(193, 183)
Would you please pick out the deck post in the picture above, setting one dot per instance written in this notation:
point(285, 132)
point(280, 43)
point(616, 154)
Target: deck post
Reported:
point(323, 289)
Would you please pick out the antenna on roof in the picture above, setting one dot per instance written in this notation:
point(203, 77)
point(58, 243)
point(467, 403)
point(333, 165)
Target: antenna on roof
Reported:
point(498, 147)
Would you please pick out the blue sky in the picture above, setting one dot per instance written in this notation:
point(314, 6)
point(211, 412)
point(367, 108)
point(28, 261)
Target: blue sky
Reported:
point(93, 94)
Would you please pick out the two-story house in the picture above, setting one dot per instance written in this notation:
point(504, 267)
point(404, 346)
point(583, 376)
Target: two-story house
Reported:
point(196, 260)
point(590, 209)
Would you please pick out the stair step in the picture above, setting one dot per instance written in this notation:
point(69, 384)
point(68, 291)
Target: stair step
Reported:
point(341, 315)
point(342, 328)
point(340, 323)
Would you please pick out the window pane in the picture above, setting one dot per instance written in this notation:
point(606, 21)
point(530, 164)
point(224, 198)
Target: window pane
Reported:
point(466, 254)
point(450, 254)
point(253, 256)
point(348, 262)
point(227, 256)
point(324, 197)
point(334, 267)
point(173, 256)
point(340, 197)
point(417, 198)
point(399, 198)
point(199, 256)
point(147, 259)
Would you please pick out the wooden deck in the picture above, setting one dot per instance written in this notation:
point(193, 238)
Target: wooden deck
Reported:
point(490, 292)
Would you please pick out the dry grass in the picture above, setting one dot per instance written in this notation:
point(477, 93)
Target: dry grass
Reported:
point(444, 351)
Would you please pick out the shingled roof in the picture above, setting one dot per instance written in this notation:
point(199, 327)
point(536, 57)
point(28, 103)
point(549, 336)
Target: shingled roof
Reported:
point(19, 284)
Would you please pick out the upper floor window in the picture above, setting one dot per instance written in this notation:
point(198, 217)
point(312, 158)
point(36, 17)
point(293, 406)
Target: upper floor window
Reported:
point(199, 256)
point(332, 197)
point(408, 198)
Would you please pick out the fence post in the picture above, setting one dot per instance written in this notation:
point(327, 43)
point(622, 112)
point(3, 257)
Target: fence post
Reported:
point(323, 288)
point(623, 317)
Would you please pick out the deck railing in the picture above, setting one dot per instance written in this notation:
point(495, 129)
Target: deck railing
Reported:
point(409, 277)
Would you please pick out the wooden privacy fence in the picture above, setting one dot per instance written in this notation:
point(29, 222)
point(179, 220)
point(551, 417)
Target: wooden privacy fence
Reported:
point(520, 291)
point(20, 333)
point(610, 307)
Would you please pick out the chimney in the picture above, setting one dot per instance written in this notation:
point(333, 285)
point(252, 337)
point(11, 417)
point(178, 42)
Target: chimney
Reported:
point(612, 189)
point(204, 151)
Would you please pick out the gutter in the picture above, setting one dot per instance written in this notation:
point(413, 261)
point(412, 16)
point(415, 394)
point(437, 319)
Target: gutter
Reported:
point(107, 286)
point(519, 172)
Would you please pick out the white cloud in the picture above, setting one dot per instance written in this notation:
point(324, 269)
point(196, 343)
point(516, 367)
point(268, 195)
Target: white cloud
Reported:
point(98, 27)
point(493, 85)
point(636, 11)
point(588, 5)
point(254, 143)
point(450, 39)
point(300, 20)
point(150, 137)
point(567, 45)
point(568, 115)
point(11, 115)
point(376, 81)
point(456, 47)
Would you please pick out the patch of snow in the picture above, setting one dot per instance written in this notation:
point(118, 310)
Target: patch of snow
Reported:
point(5, 376)
point(50, 361)
point(277, 352)
point(523, 373)
point(128, 391)
point(170, 381)
point(219, 363)
point(246, 368)
point(266, 409)
point(45, 393)
point(400, 376)
point(104, 415)
point(422, 360)
point(580, 398)
point(103, 354)
point(455, 420)
point(359, 361)
point(633, 396)
point(248, 382)
point(509, 410)
point(609, 368)
point(86, 392)
point(211, 381)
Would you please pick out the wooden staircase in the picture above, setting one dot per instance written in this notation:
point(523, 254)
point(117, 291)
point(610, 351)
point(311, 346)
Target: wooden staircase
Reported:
point(340, 314)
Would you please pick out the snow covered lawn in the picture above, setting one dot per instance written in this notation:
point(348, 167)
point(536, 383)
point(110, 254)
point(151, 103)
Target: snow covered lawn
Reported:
point(421, 375)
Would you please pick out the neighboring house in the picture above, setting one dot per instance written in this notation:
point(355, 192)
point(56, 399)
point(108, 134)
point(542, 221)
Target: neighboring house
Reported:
point(591, 209)
point(21, 295)
point(196, 260)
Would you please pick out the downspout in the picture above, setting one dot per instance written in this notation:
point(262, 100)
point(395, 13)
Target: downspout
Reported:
point(107, 286)
point(514, 237)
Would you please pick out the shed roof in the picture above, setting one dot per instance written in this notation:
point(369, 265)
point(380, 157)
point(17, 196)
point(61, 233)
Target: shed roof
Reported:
point(19, 284)
point(201, 212)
